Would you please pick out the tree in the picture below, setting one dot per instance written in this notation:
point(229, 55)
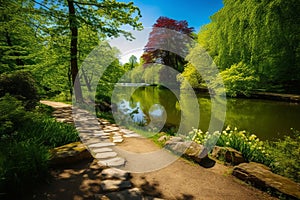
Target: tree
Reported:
point(19, 42)
point(262, 34)
point(131, 64)
point(161, 36)
point(106, 16)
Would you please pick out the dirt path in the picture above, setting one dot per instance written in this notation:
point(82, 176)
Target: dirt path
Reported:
point(185, 180)
point(180, 180)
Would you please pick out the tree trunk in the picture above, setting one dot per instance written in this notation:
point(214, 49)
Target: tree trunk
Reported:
point(73, 52)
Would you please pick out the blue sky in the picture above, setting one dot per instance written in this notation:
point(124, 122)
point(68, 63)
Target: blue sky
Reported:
point(196, 12)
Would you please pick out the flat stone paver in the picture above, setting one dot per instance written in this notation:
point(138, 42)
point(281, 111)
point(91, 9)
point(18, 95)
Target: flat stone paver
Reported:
point(113, 162)
point(105, 155)
point(113, 173)
point(101, 150)
point(115, 185)
point(99, 145)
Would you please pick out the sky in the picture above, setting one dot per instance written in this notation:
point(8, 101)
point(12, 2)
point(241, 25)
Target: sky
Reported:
point(195, 12)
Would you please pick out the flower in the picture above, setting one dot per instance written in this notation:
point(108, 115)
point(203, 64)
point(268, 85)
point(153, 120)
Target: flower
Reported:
point(227, 128)
point(252, 137)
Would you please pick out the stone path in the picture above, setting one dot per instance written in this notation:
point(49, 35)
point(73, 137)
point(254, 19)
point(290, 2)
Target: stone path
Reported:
point(100, 137)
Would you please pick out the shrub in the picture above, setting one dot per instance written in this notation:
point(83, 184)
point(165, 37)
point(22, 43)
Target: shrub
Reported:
point(285, 156)
point(22, 164)
point(239, 79)
point(12, 115)
point(21, 85)
point(25, 140)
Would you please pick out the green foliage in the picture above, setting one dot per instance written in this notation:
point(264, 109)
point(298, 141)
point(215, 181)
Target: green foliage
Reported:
point(239, 79)
point(136, 75)
point(262, 34)
point(151, 74)
point(281, 156)
point(47, 132)
point(23, 164)
point(12, 114)
point(285, 156)
point(19, 44)
point(25, 140)
point(21, 85)
point(190, 75)
point(250, 146)
point(107, 82)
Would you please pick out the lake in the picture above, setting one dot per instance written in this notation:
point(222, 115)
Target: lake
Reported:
point(267, 119)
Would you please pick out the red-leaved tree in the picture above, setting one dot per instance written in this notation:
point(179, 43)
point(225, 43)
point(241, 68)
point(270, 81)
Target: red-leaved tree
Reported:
point(168, 33)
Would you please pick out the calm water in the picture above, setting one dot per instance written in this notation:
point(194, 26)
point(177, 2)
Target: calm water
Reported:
point(267, 119)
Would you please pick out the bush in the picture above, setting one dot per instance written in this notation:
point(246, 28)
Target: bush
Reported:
point(25, 140)
point(12, 115)
point(285, 156)
point(239, 79)
point(22, 165)
point(21, 85)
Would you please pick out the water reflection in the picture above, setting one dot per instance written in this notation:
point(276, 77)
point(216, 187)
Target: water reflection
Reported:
point(154, 107)
point(136, 114)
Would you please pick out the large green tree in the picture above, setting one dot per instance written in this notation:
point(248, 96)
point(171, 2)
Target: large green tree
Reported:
point(105, 17)
point(263, 34)
point(19, 41)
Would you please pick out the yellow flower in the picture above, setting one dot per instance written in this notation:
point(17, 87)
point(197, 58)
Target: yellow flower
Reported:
point(252, 137)
point(227, 128)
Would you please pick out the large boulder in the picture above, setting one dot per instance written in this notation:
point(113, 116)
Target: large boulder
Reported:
point(228, 154)
point(69, 154)
point(189, 149)
point(261, 176)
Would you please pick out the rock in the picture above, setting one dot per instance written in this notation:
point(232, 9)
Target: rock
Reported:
point(132, 194)
point(174, 139)
point(119, 140)
point(100, 145)
point(260, 176)
point(105, 155)
point(125, 131)
point(162, 138)
point(101, 150)
point(228, 155)
point(115, 185)
point(113, 162)
point(113, 173)
point(188, 148)
point(69, 153)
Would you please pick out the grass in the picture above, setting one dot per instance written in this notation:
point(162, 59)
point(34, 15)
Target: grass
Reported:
point(25, 140)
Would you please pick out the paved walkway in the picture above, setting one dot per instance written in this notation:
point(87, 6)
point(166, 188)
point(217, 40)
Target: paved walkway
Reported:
point(100, 137)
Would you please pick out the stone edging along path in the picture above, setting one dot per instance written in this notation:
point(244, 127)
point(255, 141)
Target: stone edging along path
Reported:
point(100, 140)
